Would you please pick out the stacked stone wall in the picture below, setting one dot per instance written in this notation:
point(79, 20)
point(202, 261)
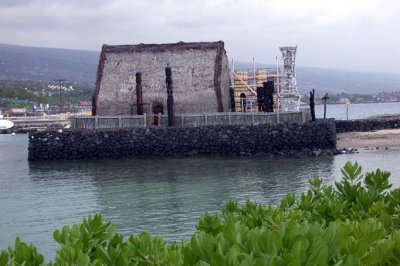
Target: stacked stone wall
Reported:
point(263, 139)
point(363, 125)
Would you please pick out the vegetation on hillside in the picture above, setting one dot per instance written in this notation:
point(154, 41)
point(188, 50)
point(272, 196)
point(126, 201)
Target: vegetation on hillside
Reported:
point(21, 95)
point(342, 98)
point(17, 96)
point(354, 222)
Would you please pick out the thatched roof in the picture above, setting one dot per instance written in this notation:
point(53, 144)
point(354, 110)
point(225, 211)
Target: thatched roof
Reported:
point(171, 47)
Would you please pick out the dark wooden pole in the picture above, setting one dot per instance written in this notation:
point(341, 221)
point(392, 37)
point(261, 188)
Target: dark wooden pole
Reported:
point(170, 99)
point(325, 99)
point(139, 93)
point(312, 105)
point(270, 97)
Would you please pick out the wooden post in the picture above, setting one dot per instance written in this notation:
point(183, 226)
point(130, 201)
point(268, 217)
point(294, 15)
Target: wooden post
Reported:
point(325, 99)
point(139, 94)
point(312, 105)
point(170, 99)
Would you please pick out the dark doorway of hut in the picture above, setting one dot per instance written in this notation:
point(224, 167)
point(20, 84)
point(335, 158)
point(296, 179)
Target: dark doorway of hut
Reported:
point(157, 109)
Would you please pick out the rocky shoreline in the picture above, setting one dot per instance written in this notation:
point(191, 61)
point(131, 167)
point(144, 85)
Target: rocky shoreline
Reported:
point(381, 132)
point(372, 140)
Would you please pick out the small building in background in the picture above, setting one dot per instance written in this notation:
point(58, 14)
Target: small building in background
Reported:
point(199, 72)
point(18, 111)
point(84, 108)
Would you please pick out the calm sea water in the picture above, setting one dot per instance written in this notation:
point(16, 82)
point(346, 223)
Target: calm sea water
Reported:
point(357, 111)
point(161, 196)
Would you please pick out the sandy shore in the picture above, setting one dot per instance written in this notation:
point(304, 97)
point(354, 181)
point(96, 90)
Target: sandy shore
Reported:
point(388, 138)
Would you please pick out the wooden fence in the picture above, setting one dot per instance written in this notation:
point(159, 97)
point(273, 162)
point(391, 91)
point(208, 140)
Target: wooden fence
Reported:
point(185, 120)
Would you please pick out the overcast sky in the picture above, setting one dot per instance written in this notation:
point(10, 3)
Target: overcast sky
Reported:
point(343, 34)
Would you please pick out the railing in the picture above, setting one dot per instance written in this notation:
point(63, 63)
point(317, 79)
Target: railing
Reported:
point(37, 118)
point(184, 120)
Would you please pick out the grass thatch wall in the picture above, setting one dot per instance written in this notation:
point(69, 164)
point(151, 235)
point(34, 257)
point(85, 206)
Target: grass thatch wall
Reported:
point(199, 72)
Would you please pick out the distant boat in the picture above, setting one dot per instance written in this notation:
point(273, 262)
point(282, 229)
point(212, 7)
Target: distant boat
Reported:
point(5, 124)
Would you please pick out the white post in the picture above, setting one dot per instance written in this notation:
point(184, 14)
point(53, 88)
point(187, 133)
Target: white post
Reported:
point(277, 117)
point(252, 118)
point(144, 120)
point(119, 122)
point(233, 75)
point(278, 86)
point(159, 119)
point(182, 119)
point(96, 122)
point(229, 118)
point(205, 118)
point(254, 73)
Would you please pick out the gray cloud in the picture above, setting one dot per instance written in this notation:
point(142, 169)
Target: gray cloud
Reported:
point(353, 34)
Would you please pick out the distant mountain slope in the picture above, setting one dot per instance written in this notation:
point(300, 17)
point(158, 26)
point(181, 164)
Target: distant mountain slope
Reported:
point(47, 64)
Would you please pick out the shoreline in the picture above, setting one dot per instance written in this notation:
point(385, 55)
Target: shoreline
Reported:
point(379, 139)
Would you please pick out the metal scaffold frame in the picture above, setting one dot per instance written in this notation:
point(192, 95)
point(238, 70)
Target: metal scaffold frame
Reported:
point(246, 81)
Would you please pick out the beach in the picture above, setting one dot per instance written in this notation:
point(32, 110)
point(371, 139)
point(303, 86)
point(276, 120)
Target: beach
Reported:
point(388, 138)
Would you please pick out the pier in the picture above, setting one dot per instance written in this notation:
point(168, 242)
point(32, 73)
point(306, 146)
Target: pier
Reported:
point(27, 124)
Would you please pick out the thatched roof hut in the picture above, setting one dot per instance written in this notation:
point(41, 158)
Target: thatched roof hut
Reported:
point(199, 72)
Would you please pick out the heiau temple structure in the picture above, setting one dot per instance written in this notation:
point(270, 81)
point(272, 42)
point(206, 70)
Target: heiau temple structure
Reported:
point(199, 72)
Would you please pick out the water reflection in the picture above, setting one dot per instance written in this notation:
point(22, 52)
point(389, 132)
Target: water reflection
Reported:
point(166, 196)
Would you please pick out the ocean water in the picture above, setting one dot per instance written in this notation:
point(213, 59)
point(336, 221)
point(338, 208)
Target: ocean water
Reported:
point(357, 111)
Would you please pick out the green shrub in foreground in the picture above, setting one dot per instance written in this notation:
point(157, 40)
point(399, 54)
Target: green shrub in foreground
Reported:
point(355, 222)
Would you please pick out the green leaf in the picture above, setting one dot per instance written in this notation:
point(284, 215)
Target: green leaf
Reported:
point(4, 258)
point(352, 172)
point(83, 260)
point(318, 254)
point(377, 180)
